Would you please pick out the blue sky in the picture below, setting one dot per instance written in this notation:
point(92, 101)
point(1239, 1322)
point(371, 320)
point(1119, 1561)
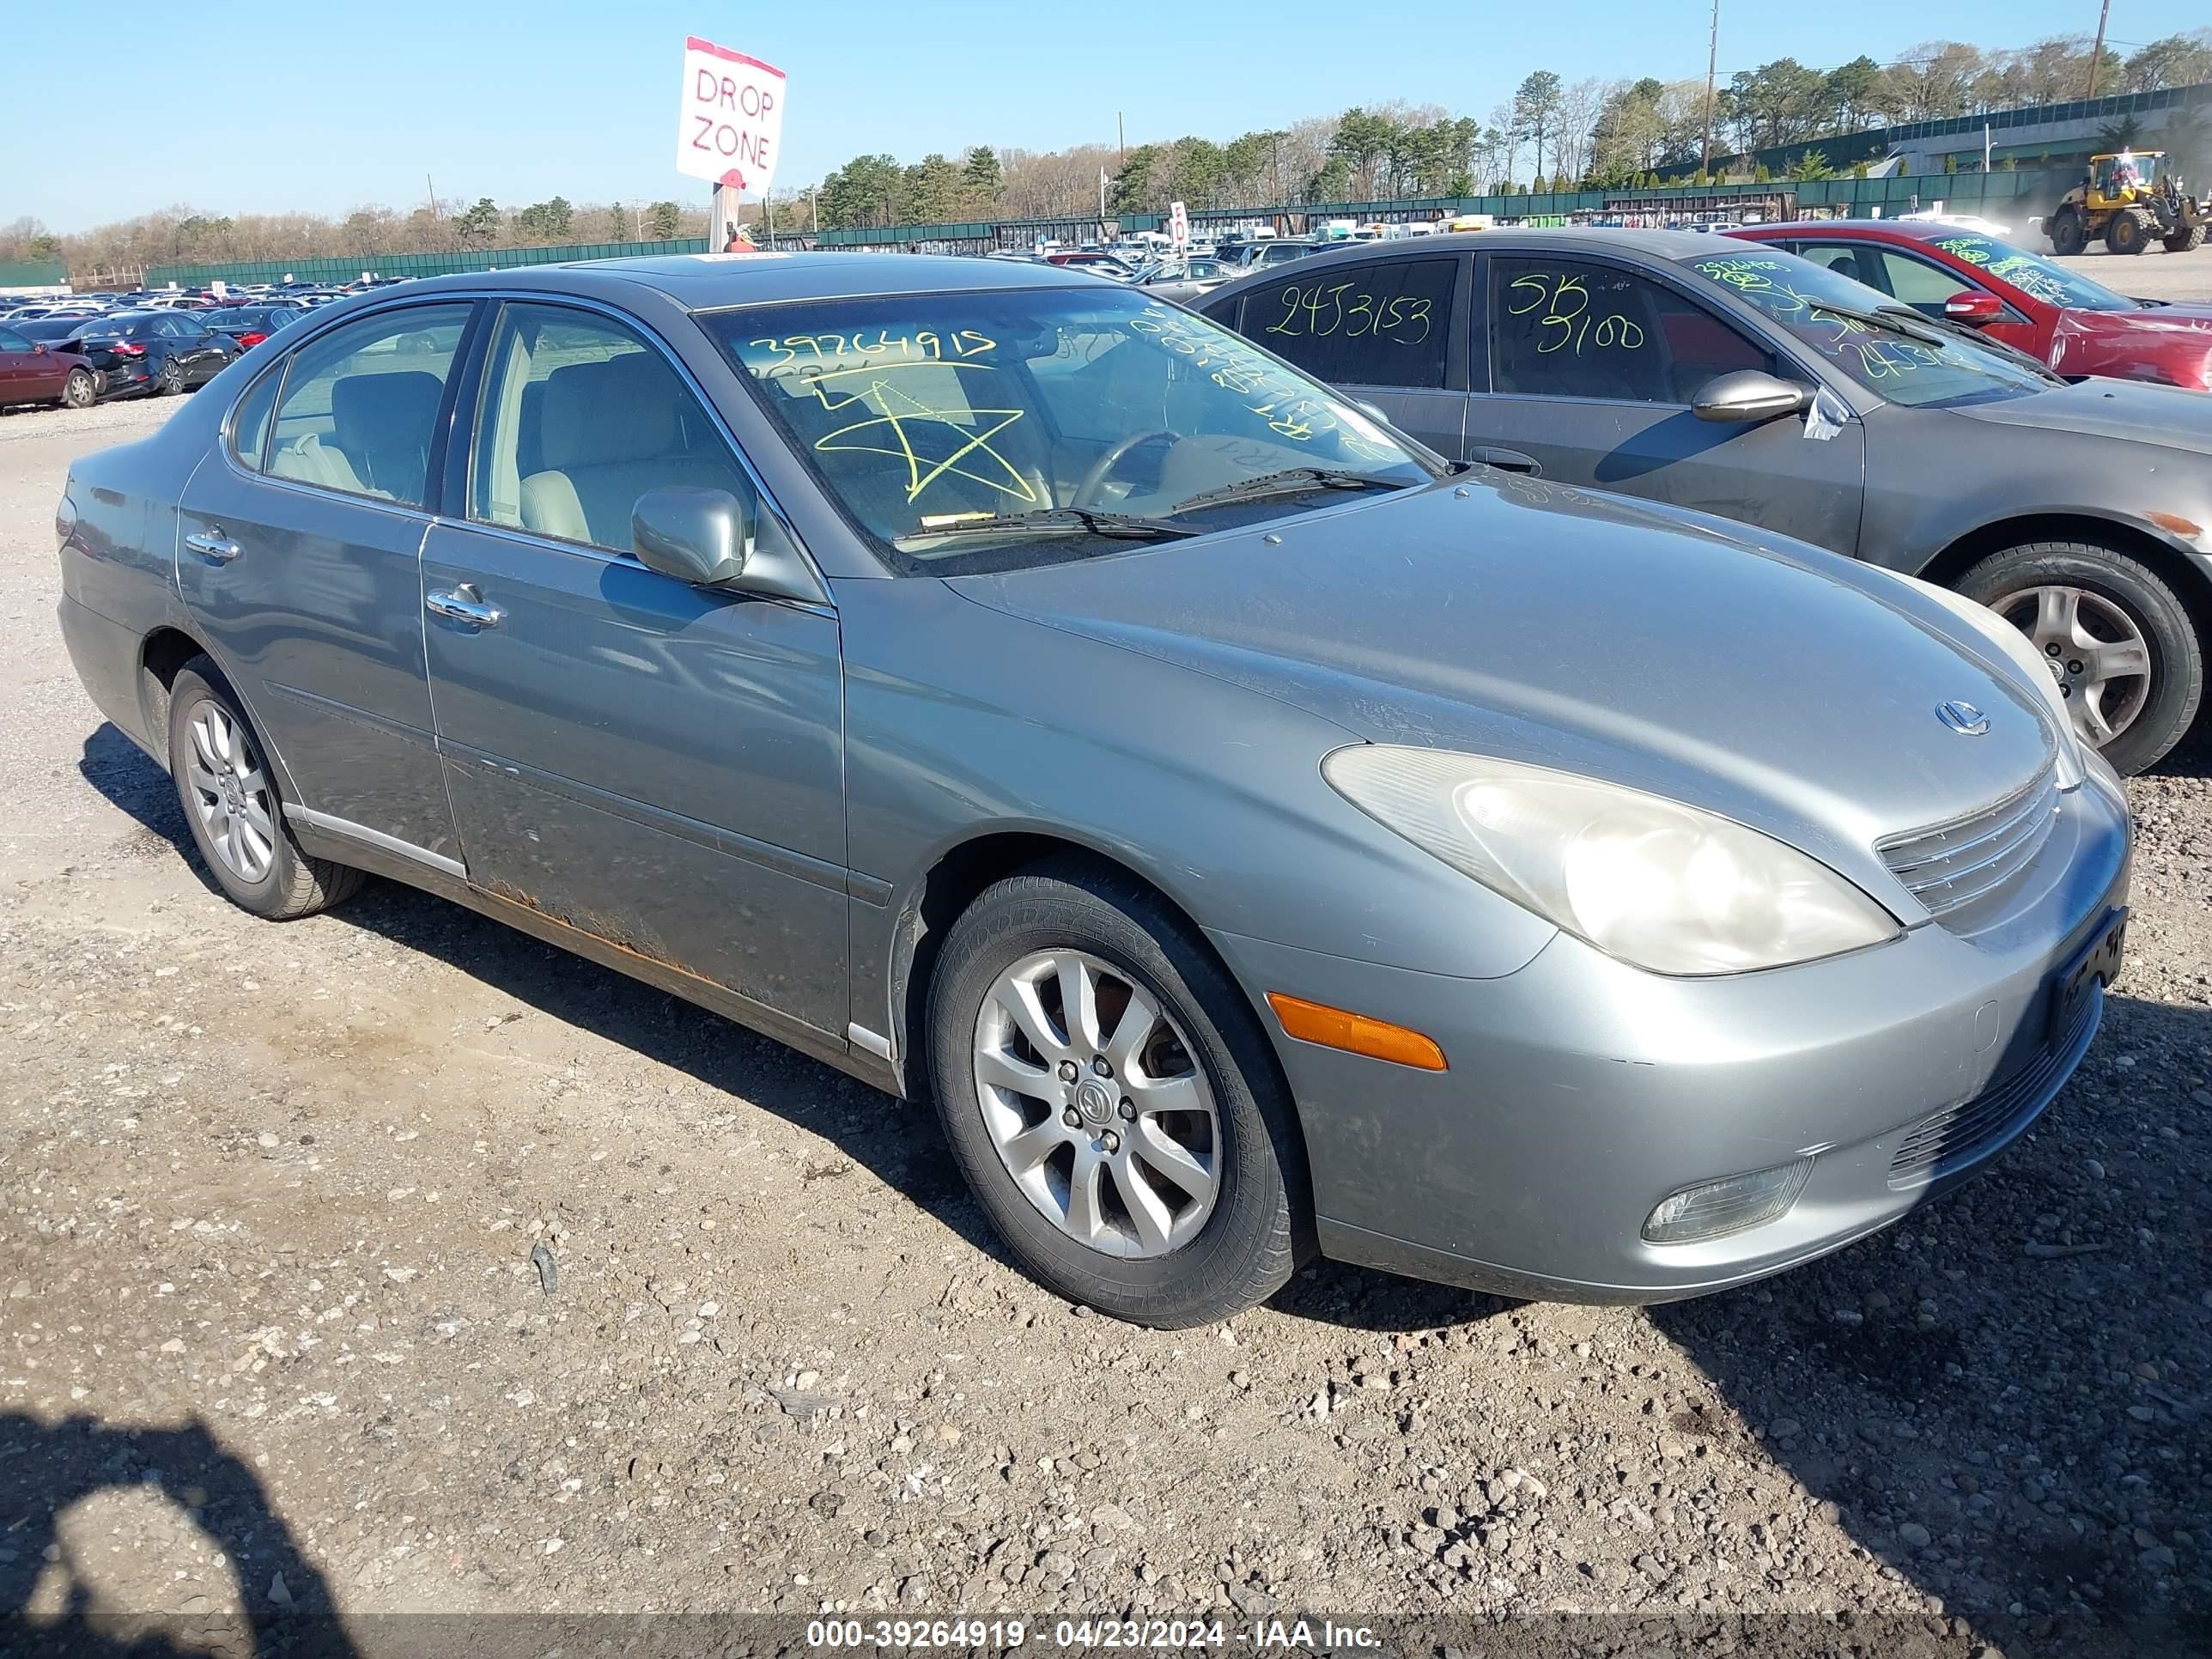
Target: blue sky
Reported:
point(343, 102)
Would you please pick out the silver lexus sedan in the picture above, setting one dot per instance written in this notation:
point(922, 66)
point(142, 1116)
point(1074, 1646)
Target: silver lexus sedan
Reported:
point(1255, 837)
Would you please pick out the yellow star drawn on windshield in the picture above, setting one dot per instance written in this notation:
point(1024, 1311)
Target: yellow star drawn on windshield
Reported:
point(901, 412)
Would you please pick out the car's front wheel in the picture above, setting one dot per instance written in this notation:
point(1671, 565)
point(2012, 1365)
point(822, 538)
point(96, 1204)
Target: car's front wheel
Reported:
point(2116, 638)
point(232, 807)
point(1112, 1101)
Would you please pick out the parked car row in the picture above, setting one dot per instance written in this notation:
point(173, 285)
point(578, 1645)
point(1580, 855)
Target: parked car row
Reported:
point(1259, 827)
point(1738, 378)
point(74, 361)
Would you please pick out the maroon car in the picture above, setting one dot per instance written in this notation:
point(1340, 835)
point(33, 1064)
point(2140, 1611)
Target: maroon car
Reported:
point(32, 372)
point(2079, 327)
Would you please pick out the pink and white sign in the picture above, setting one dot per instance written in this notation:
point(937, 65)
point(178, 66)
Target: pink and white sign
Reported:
point(731, 125)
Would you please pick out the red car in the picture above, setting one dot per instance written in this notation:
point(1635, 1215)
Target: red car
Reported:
point(33, 372)
point(2079, 327)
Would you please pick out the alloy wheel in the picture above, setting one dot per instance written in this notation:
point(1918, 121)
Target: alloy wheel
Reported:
point(1094, 1101)
point(79, 391)
point(2095, 651)
point(230, 790)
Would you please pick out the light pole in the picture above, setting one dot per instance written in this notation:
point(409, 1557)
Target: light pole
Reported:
point(1712, 64)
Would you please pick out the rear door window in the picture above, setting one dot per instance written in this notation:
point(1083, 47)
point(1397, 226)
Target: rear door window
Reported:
point(1385, 324)
point(361, 403)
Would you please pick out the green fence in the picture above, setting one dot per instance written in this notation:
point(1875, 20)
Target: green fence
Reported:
point(1966, 193)
point(345, 270)
point(34, 273)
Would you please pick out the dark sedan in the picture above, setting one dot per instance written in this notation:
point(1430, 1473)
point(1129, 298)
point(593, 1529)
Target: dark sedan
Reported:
point(1744, 381)
point(248, 326)
point(155, 351)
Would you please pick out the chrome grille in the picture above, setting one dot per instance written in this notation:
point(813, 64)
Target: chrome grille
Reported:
point(1958, 1134)
point(1949, 865)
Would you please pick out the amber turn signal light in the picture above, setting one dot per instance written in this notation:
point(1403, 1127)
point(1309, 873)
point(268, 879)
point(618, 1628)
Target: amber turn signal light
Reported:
point(1356, 1034)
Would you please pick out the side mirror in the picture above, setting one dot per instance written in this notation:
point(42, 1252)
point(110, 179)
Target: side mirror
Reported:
point(1974, 308)
point(1750, 395)
point(696, 536)
point(38, 348)
point(1370, 412)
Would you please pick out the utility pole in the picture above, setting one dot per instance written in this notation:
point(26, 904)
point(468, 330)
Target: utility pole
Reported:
point(1712, 71)
point(1120, 136)
point(2097, 52)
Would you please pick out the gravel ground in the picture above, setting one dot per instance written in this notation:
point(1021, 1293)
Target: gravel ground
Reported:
point(389, 1261)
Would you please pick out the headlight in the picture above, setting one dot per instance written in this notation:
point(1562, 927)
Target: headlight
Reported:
point(1661, 886)
point(2017, 647)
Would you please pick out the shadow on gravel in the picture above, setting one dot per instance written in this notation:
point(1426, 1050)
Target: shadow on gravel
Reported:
point(867, 1126)
point(44, 1470)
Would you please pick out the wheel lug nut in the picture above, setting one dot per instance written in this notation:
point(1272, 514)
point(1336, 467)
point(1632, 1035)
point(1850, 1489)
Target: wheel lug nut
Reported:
point(2051, 650)
point(1099, 1066)
point(1072, 1118)
point(1128, 1110)
point(2073, 667)
point(1067, 1071)
point(1110, 1141)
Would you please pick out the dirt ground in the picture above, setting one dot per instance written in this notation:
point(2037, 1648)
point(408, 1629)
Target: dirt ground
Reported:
point(391, 1261)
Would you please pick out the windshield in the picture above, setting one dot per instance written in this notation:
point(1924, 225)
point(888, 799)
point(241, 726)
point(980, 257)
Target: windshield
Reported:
point(1910, 364)
point(2033, 274)
point(926, 415)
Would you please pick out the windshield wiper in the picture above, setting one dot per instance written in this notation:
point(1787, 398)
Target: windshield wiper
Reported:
point(1047, 521)
point(1898, 320)
point(1289, 482)
point(1973, 336)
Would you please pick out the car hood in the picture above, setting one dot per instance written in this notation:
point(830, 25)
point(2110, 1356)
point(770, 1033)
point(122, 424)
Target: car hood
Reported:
point(1784, 687)
point(2169, 415)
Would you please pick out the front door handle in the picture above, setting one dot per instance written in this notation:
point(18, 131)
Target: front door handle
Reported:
point(1507, 460)
point(213, 545)
point(462, 602)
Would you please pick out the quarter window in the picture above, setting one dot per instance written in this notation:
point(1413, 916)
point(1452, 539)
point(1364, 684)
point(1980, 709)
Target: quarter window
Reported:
point(1383, 324)
point(580, 417)
point(249, 422)
point(361, 403)
point(1562, 328)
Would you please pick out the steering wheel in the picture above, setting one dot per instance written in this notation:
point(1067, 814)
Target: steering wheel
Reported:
point(1102, 468)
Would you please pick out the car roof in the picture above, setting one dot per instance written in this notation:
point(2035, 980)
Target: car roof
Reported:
point(707, 282)
point(1911, 230)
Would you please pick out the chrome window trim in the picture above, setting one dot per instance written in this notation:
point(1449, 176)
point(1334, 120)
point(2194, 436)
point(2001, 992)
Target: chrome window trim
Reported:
point(545, 543)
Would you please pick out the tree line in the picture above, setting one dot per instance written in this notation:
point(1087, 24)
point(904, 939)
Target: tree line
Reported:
point(1550, 134)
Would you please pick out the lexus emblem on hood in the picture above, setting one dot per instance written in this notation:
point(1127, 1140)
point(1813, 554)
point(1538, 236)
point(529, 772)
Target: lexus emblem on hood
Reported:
point(1963, 717)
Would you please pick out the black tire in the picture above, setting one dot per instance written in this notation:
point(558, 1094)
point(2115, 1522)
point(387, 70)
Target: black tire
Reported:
point(294, 884)
point(2068, 235)
point(2185, 241)
point(1252, 1241)
point(79, 391)
point(2128, 231)
point(2176, 682)
point(170, 380)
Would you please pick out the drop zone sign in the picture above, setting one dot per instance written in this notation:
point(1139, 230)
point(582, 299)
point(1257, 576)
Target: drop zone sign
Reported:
point(732, 122)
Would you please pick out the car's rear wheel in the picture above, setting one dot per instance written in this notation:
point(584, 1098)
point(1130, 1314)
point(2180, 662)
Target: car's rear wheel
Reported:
point(81, 390)
point(2115, 636)
point(231, 805)
point(1112, 1100)
point(2068, 235)
point(171, 380)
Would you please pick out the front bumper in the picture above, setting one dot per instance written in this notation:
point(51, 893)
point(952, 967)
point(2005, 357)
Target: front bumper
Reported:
point(1582, 1091)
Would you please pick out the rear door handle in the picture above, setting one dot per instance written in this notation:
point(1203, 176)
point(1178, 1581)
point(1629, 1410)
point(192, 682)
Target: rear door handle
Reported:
point(213, 545)
point(1509, 460)
point(462, 602)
